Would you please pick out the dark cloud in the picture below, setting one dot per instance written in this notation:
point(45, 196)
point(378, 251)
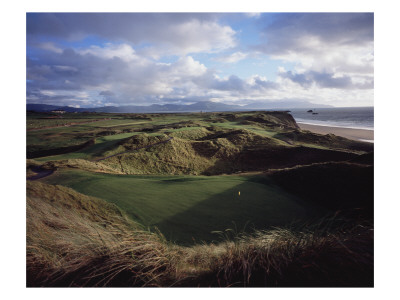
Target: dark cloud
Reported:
point(71, 70)
point(235, 83)
point(106, 93)
point(290, 32)
point(185, 100)
point(37, 96)
point(113, 26)
point(301, 79)
point(232, 83)
point(265, 84)
point(326, 80)
point(181, 32)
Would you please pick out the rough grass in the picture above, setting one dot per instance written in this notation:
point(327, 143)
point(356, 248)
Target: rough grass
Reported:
point(244, 142)
point(278, 127)
point(213, 151)
point(76, 240)
point(288, 258)
point(80, 164)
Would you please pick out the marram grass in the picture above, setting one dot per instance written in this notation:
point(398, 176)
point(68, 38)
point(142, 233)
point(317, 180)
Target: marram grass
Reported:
point(76, 240)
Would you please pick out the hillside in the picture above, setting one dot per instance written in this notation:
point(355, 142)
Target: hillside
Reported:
point(209, 144)
point(195, 199)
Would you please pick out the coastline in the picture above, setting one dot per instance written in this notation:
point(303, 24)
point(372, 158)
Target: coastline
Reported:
point(364, 135)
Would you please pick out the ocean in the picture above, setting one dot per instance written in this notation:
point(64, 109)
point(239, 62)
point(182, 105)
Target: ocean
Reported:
point(346, 117)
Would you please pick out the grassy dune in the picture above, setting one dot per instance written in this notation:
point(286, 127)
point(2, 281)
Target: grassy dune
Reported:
point(279, 128)
point(212, 152)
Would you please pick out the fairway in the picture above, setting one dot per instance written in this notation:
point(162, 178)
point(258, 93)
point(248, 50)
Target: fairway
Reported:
point(187, 208)
point(90, 152)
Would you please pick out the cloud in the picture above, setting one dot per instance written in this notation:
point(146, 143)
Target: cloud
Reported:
point(106, 93)
point(322, 42)
point(253, 15)
point(232, 58)
point(118, 74)
point(49, 46)
point(326, 80)
point(252, 86)
point(302, 32)
point(141, 59)
point(121, 51)
point(232, 83)
point(59, 97)
point(168, 33)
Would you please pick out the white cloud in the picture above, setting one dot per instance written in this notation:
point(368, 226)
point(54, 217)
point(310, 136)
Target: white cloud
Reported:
point(325, 58)
point(187, 66)
point(122, 51)
point(196, 36)
point(65, 68)
point(253, 15)
point(232, 58)
point(49, 47)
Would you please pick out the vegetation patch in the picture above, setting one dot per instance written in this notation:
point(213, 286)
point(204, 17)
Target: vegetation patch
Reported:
point(77, 240)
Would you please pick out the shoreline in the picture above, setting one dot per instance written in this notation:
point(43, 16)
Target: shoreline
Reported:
point(363, 135)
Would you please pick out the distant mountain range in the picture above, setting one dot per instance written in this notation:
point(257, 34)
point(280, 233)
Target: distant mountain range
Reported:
point(206, 106)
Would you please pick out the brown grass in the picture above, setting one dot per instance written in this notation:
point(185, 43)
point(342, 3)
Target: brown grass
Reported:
point(76, 240)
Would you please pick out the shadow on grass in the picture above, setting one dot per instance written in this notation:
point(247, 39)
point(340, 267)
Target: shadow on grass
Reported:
point(261, 159)
point(260, 205)
point(337, 186)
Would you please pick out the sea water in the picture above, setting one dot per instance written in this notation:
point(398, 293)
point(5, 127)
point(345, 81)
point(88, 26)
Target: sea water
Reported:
point(347, 117)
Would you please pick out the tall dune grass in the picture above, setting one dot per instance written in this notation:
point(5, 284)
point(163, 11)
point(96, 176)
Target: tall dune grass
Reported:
point(76, 240)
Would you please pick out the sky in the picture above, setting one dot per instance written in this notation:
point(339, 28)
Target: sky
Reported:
point(104, 59)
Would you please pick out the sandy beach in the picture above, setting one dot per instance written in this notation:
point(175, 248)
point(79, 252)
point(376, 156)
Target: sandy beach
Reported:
point(350, 133)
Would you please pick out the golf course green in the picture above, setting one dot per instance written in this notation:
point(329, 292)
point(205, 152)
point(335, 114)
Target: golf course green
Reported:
point(189, 209)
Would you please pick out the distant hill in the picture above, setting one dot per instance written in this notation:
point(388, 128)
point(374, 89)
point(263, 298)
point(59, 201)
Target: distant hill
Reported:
point(287, 104)
point(206, 106)
point(47, 108)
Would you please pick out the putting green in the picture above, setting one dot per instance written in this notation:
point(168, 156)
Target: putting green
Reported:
point(188, 208)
